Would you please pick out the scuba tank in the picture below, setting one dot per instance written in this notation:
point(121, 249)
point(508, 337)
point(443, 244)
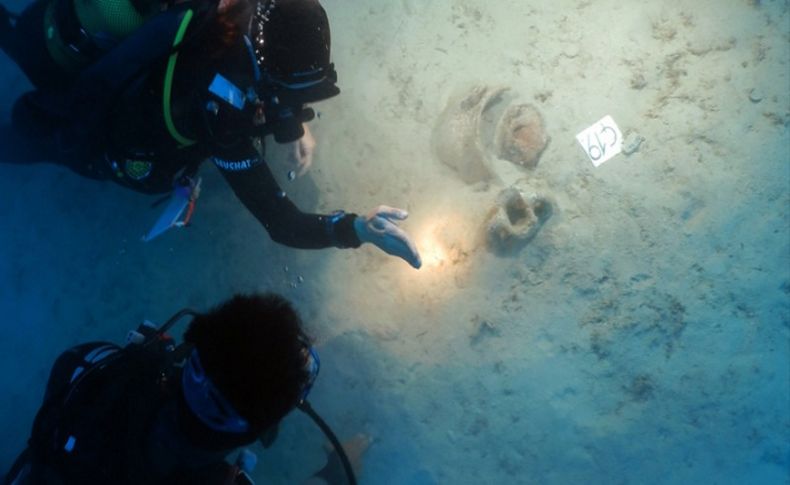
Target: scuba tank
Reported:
point(96, 388)
point(80, 31)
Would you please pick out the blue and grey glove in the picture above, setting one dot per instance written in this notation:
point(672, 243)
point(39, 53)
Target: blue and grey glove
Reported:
point(379, 227)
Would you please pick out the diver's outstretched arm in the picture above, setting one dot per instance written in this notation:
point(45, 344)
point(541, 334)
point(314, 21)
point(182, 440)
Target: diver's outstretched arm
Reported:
point(256, 187)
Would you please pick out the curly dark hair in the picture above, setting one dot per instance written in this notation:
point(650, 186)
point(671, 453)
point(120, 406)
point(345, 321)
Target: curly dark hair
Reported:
point(253, 348)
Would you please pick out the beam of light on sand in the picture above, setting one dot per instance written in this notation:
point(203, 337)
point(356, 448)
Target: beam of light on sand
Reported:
point(433, 252)
point(445, 243)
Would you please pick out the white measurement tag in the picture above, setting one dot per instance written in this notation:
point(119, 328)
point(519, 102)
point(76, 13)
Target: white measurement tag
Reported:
point(601, 141)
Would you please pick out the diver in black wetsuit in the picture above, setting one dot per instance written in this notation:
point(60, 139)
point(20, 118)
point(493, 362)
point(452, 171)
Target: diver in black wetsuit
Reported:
point(145, 106)
point(154, 412)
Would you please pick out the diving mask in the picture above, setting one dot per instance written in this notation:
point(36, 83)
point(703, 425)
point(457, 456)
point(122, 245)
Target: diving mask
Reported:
point(213, 409)
point(289, 46)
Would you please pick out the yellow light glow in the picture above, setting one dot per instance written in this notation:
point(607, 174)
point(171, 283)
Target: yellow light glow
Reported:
point(443, 242)
point(433, 253)
point(446, 242)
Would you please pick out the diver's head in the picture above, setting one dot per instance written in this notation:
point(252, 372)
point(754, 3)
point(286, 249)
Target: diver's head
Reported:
point(290, 42)
point(251, 364)
point(286, 67)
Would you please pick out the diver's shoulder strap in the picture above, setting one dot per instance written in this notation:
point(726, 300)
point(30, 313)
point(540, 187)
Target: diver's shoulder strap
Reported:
point(102, 82)
point(78, 425)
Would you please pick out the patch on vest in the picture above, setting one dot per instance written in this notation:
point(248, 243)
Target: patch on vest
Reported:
point(236, 165)
point(137, 169)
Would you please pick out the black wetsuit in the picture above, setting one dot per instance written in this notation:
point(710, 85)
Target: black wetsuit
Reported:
point(118, 416)
point(110, 125)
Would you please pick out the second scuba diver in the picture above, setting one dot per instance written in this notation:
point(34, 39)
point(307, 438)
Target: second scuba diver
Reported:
point(142, 92)
point(154, 412)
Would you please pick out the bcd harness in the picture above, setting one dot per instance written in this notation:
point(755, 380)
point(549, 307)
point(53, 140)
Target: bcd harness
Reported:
point(148, 361)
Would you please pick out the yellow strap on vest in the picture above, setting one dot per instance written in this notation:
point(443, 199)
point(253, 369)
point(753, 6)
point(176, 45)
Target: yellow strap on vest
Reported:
point(166, 95)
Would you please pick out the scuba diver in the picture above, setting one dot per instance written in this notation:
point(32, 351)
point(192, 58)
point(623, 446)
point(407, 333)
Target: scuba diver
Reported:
point(141, 92)
point(154, 412)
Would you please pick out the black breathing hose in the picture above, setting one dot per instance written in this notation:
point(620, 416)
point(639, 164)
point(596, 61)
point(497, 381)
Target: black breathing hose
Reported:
point(306, 408)
point(178, 316)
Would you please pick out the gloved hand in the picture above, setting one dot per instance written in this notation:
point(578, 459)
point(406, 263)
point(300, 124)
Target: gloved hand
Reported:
point(379, 227)
point(303, 150)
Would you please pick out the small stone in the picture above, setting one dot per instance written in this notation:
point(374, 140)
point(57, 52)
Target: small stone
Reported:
point(632, 142)
point(756, 95)
point(483, 329)
point(571, 51)
point(638, 81)
point(300, 279)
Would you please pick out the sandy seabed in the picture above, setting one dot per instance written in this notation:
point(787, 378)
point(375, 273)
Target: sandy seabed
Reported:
point(643, 336)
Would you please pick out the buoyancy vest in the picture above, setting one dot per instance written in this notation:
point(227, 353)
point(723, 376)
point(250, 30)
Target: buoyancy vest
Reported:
point(92, 430)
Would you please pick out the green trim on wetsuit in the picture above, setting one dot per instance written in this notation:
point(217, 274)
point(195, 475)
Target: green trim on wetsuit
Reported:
point(168, 88)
